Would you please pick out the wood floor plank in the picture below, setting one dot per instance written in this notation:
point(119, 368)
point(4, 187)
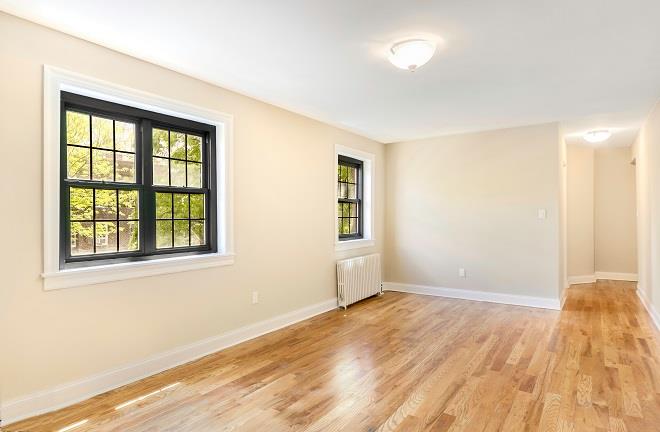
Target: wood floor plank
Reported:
point(405, 362)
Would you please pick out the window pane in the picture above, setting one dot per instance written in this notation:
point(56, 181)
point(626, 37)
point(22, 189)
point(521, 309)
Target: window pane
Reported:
point(340, 208)
point(343, 190)
point(352, 174)
point(181, 206)
point(197, 233)
point(194, 175)
point(163, 205)
point(354, 229)
point(345, 226)
point(163, 234)
point(344, 173)
point(160, 143)
point(82, 234)
point(128, 204)
point(128, 236)
point(125, 167)
point(177, 145)
point(181, 234)
point(77, 128)
point(197, 206)
point(195, 148)
point(102, 132)
point(354, 210)
point(106, 204)
point(102, 165)
point(77, 163)
point(347, 210)
point(352, 194)
point(106, 237)
point(125, 136)
point(80, 203)
point(161, 171)
point(178, 174)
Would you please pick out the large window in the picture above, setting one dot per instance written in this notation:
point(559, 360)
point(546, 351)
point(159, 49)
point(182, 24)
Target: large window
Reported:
point(135, 184)
point(349, 198)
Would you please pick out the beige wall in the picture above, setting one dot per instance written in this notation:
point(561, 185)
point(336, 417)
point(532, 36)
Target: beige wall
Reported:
point(563, 216)
point(581, 259)
point(50, 338)
point(614, 209)
point(646, 152)
point(472, 201)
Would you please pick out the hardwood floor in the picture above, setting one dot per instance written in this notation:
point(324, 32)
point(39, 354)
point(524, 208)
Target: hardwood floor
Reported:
point(406, 362)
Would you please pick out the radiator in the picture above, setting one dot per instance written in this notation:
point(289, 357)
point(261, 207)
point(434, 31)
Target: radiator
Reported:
point(358, 278)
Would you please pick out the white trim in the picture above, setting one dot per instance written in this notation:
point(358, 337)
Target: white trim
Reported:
point(114, 272)
point(56, 80)
point(76, 391)
point(511, 299)
point(632, 277)
point(583, 279)
point(655, 316)
point(354, 244)
point(369, 176)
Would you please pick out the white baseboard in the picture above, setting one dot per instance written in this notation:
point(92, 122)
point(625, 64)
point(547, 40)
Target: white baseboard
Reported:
point(574, 280)
point(79, 390)
point(632, 277)
point(655, 316)
point(584, 279)
point(512, 299)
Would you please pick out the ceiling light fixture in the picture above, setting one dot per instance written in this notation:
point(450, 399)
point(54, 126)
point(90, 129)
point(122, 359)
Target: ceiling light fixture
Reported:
point(597, 136)
point(411, 54)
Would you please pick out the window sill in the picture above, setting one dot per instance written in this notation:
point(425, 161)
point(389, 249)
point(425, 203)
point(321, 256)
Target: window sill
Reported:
point(353, 244)
point(116, 272)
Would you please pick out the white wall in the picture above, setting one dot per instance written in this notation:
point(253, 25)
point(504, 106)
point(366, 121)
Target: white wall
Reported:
point(284, 225)
point(581, 259)
point(614, 209)
point(472, 201)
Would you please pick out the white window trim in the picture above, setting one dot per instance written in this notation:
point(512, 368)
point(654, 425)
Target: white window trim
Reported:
point(56, 80)
point(368, 175)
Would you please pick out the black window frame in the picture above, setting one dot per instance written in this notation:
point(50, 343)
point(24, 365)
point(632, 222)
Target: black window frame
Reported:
point(144, 121)
point(348, 161)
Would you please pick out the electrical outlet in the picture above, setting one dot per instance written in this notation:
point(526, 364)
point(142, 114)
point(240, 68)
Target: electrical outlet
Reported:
point(542, 214)
point(461, 272)
point(255, 297)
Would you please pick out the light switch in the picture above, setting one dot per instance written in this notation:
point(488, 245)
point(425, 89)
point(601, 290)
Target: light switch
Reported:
point(461, 272)
point(542, 213)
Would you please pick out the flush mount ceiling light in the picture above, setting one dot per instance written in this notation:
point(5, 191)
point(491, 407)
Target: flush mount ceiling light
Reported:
point(411, 54)
point(597, 136)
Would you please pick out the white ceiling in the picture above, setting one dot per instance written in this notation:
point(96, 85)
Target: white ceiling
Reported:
point(501, 63)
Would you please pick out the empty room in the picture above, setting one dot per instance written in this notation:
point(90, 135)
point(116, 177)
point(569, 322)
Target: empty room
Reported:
point(350, 216)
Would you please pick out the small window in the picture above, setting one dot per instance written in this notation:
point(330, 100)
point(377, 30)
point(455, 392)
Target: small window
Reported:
point(349, 198)
point(135, 184)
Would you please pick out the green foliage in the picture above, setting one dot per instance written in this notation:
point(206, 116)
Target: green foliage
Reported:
point(194, 148)
point(102, 132)
point(163, 205)
point(160, 143)
point(197, 206)
point(77, 128)
point(163, 234)
point(125, 136)
point(177, 145)
point(84, 201)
